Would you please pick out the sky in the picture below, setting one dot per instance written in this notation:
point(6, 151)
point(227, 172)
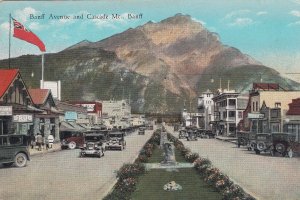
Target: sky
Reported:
point(267, 30)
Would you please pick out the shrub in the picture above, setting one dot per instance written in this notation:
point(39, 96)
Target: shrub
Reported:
point(142, 159)
point(191, 157)
point(130, 170)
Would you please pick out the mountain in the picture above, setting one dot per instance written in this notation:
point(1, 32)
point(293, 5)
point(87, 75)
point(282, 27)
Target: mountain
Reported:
point(159, 66)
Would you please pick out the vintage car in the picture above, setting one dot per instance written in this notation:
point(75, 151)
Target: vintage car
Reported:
point(115, 141)
point(94, 145)
point(251, 143)
point(71, 139)
point(182, 133)
point(263, 143)
point(283, 143)
point(141, 130)
point(191, 135)
point(205, 133)
point(14, 150)
point(242, 138)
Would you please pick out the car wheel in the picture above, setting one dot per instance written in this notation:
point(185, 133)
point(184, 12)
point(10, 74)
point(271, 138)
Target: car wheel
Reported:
point(8, 164)
point(20, 160)
point(257, 151)
point(280, 148)
point(72, 145)
point(290, 153)
point(261, 146)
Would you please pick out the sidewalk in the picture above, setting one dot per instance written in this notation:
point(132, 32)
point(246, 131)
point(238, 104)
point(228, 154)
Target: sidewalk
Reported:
point(55, 147)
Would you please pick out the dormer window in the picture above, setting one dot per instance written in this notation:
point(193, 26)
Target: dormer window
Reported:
point(277, 104)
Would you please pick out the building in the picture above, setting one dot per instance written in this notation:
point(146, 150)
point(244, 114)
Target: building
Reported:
point(205, 110)
point(228, 111)
point(267, 107)
point(93, 108)
point(291, 123)
point(47, 121)
point(16, 106)
point(116, 114)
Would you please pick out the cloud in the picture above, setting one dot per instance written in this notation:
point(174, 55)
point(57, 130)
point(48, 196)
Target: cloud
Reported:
point(295, 13)
point(261, 13)
point(242, 22)
point(236, 13)
point(297, 23)
point(4, 27)
point(23, 15)
point(34, 26)
point(296, 1)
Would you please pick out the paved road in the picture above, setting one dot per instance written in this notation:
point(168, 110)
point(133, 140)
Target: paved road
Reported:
point(263, 176)
point(63, 175)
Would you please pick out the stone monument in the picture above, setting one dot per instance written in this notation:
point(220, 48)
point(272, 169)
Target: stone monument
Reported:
point(169, 154)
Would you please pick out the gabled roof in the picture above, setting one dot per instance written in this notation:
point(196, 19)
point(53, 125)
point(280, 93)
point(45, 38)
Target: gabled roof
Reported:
point(39, 96)
point(7, 76)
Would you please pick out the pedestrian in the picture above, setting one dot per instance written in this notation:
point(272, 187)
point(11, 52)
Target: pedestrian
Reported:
point(39, 141)
point(32, 140)
point(50, 141)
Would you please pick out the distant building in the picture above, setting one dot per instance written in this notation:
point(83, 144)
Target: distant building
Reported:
point(292, 120)
point(205, 110)
point(267, 107)
point(93, 108)
point(116, 114)
point(228, 111)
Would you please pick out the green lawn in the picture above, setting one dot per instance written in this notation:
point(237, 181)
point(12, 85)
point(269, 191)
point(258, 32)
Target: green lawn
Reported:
point(157, 156)
point(150, 186)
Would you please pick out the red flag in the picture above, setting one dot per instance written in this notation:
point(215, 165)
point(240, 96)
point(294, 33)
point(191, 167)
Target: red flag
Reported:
point(24, 34)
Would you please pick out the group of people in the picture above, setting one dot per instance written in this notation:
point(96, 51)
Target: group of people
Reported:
point(40, 141)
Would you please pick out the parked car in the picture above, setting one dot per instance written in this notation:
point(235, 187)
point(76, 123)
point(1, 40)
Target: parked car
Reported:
point(294, 147)
point(116, 141)
point(93, 145)
point(205, 133)
point(182, 134)
point(191, 135)
point(251, 144)
point(14, 150)
point(142, 130)
point(283, 143)
point(71, 139)
point(242, 138)
point(263, 142)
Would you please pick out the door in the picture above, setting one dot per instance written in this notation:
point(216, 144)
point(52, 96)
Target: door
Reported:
point(5, 150)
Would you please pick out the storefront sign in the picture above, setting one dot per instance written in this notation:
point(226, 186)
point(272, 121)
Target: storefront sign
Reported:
point(71, 116)
point(88, 107)
point(255, 116)
point(5, 110)
point(22, 118)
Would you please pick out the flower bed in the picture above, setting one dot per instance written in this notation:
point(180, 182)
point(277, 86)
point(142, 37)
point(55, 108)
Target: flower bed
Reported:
point(211, 175)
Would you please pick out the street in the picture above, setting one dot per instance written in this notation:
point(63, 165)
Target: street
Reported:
point(263, 176)
point(63, 175)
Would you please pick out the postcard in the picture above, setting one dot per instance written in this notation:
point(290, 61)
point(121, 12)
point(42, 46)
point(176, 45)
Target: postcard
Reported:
point(145, 99)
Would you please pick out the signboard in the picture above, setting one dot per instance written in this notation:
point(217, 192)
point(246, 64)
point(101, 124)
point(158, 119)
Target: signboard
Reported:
point(71, 116)
point(90, 107)
point(255, 116)
point(23, 118)
point(5, 110)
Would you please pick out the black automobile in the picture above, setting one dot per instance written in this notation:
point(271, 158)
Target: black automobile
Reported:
point(205, 133)
point(115, 141)
point(14, 150)
point(243, 138)
point(263, 143)
point(93, 145)
point(191, 135)
point(282, 143)
point(142, 130)
point(182, 134)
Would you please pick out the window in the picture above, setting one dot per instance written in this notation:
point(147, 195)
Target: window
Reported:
point(275, 127)
point(275, 113)
point(277, 104)
point(232, 102)
point(224, 114)
point(14, 140)
point(256, 105)
point(253, 108)
point(231, 113)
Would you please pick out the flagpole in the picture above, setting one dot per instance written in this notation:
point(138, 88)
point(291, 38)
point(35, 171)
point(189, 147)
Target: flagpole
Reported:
point(9, 40)
point(42, 82)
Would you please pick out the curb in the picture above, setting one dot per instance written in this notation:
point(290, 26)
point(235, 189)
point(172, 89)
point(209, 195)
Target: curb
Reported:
point(42, 152)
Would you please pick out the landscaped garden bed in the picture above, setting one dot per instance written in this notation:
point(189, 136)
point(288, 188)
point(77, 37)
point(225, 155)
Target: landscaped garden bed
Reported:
point(201, 182)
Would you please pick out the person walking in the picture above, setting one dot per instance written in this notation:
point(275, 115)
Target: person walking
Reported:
point(39, 141)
